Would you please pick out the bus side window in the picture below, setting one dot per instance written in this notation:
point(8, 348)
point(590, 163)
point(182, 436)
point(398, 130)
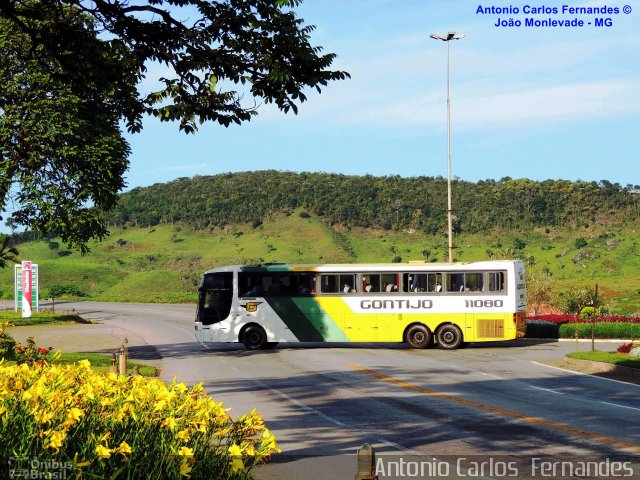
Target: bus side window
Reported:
point(473, 282)
point(389, 282)
point(496, 281)
point(454, 282)
point(329, 283)
point(371, 282)
point(306, 284)
point(348, 283)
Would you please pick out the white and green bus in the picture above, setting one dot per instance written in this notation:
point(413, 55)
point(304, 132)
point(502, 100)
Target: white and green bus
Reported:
point(419, 303)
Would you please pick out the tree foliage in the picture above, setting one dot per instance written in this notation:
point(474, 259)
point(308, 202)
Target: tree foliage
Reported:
point(72, 73)
point(8, 253)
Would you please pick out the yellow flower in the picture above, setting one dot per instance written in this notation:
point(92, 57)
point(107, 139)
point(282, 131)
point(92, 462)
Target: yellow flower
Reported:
point(159, 405)
point(249, 449)
point(86, 364)
point(3, 410)
point(185, 469)
point(170, 423)
point(185, 452)
point(124, 448)
point(234, 450)
point(103, 452)
point(56, 439)
point(236, 464)
point(42, 416)
point(74, 415)
point(268, 441)
point(183, 434)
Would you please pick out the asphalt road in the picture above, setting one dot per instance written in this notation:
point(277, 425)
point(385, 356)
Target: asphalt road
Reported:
point(491, 403)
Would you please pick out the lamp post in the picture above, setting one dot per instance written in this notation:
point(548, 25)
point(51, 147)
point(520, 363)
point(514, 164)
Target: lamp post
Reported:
point(450, 36)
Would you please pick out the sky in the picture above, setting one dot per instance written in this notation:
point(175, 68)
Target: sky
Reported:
point(526, 102)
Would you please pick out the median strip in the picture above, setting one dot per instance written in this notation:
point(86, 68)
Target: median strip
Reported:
point(541, 422)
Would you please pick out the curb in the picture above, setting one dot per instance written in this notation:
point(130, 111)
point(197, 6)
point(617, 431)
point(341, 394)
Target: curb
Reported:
point(621, 372)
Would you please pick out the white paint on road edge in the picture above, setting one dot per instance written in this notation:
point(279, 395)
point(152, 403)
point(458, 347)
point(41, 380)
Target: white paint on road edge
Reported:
point(586, 374)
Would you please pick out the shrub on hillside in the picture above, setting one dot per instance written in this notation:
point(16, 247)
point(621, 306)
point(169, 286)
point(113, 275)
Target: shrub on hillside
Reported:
point(57, 291)
point(113, 426)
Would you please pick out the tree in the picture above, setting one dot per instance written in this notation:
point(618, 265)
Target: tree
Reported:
point(7, 252)
point(71, 73)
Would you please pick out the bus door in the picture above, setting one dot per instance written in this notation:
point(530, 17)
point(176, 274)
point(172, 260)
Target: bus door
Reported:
point(215, 297)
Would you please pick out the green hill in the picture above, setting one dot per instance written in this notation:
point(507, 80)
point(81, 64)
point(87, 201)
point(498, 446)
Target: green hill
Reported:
point(164, 262)
point(571, 234)
point(391, 203)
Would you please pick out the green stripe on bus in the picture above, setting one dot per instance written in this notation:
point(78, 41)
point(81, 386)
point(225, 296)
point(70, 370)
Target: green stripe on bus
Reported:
point(306, 319)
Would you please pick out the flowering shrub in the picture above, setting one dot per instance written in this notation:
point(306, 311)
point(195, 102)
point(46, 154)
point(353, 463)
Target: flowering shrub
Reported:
point(31, 353)
point(574, 318)
point(625, 347)
point(630, 348)
point(113, 426)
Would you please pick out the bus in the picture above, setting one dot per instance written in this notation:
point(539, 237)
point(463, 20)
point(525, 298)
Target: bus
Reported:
point(418, 303)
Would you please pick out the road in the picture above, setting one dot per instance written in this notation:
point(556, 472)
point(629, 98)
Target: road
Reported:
point(325, 401)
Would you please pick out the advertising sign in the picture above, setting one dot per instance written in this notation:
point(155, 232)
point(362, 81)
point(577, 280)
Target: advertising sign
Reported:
point(31, 287)
point(26, 289)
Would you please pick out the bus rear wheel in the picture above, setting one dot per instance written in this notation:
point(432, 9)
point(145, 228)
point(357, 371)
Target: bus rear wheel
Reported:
point(449, 337)
point(418, 336)
point(254, 337)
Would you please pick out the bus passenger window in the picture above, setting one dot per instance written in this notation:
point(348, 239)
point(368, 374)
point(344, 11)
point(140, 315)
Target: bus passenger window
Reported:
point(306, 284)
point(371, 282)
point(473, 282)
point(455, 282)
point(389, 282)
point(329, 284)
point(496, 281)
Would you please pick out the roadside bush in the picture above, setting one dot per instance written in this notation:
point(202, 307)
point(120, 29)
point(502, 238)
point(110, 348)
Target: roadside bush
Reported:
point(7, 343)
point(602, 330)
point(542, 329)
point(112, 426)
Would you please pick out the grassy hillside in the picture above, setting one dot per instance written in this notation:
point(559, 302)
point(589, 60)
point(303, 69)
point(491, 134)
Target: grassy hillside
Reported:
point(164, 263)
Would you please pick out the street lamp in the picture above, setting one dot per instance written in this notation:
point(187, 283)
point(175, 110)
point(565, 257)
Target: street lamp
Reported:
point(450, 36)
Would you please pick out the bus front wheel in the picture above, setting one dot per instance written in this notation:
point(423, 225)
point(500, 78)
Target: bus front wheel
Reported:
point(254, 337)
point(449, 337)
point(418, 336)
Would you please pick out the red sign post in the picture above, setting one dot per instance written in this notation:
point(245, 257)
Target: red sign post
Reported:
point(26, 289)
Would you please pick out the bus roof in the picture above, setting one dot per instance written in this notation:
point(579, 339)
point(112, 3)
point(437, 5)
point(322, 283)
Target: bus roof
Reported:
point(366, 267)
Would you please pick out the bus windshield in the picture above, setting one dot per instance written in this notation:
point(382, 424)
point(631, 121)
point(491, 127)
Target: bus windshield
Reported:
point(215, 297)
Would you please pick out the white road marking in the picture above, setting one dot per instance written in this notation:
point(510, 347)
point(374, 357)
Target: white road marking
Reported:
point(621, 406)
point(545, 390)
point(585, 374)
